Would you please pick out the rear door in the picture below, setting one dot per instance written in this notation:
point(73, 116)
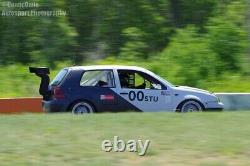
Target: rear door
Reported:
point(143, 91)
point(96, 86)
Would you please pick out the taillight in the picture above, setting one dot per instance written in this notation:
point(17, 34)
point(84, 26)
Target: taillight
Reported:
point(58, 93)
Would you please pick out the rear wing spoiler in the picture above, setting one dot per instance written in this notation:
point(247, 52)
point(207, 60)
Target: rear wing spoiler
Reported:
point(39, 70)
point(43, 73)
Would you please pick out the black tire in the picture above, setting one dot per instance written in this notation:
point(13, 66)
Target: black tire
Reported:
point(190, 106)
point(82, 107)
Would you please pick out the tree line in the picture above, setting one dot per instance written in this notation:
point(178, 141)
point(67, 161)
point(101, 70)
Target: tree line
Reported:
point(208, 37)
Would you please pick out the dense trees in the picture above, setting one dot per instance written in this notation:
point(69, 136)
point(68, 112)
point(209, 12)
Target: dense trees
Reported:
point(97, 28)
point(197, 40)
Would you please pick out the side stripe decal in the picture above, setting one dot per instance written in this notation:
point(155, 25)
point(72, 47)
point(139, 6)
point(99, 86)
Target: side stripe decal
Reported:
point(125, 102)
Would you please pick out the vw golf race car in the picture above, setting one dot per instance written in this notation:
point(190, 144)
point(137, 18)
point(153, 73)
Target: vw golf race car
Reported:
point(88, 89)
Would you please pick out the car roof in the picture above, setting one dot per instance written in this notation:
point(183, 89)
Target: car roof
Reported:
point(102, 67)
point(121, 67)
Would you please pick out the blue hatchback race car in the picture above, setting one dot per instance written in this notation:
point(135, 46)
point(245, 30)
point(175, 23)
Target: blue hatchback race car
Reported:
point(89, 89)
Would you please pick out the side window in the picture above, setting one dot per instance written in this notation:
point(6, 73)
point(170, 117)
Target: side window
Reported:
point(99, 78)
point(137, 80)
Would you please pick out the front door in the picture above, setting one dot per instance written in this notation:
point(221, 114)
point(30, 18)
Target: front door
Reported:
point(143, 91)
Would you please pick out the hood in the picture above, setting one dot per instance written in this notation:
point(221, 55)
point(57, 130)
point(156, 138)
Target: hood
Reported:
point(187, 88)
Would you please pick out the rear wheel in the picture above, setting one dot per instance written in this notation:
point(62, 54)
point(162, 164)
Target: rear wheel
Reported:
point(82, 107)
point(190, 106)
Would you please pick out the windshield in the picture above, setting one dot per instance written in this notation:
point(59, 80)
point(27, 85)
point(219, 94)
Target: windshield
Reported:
point(161, 79)
point(59, 77)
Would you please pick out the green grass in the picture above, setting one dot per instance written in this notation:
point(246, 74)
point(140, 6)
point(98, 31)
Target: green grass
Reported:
point(16, 81)
point(205, 139)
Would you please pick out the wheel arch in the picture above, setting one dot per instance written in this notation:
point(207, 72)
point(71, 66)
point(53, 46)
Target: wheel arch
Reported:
point(189, 98)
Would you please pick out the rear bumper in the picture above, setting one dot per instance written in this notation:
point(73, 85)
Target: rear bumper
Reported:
point(54, 106)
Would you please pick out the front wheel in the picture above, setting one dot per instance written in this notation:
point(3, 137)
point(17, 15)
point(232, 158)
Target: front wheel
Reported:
point(190, 106)
point(82, 107)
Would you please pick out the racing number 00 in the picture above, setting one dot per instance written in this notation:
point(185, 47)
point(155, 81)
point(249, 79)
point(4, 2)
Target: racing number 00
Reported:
point(133, 95)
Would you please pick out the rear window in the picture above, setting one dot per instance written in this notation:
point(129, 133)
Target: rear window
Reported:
point(59, 77)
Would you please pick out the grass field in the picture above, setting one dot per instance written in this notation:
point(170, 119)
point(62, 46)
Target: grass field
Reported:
point(205, 139)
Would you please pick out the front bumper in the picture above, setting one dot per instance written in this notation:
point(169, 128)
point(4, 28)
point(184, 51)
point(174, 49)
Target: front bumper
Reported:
point(214, 106)
point(213, 109)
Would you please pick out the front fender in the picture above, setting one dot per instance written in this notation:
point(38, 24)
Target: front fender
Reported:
point(190, 97)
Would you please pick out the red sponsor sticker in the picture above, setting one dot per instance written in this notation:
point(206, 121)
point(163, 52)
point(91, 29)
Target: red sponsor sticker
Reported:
point(107, 97)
